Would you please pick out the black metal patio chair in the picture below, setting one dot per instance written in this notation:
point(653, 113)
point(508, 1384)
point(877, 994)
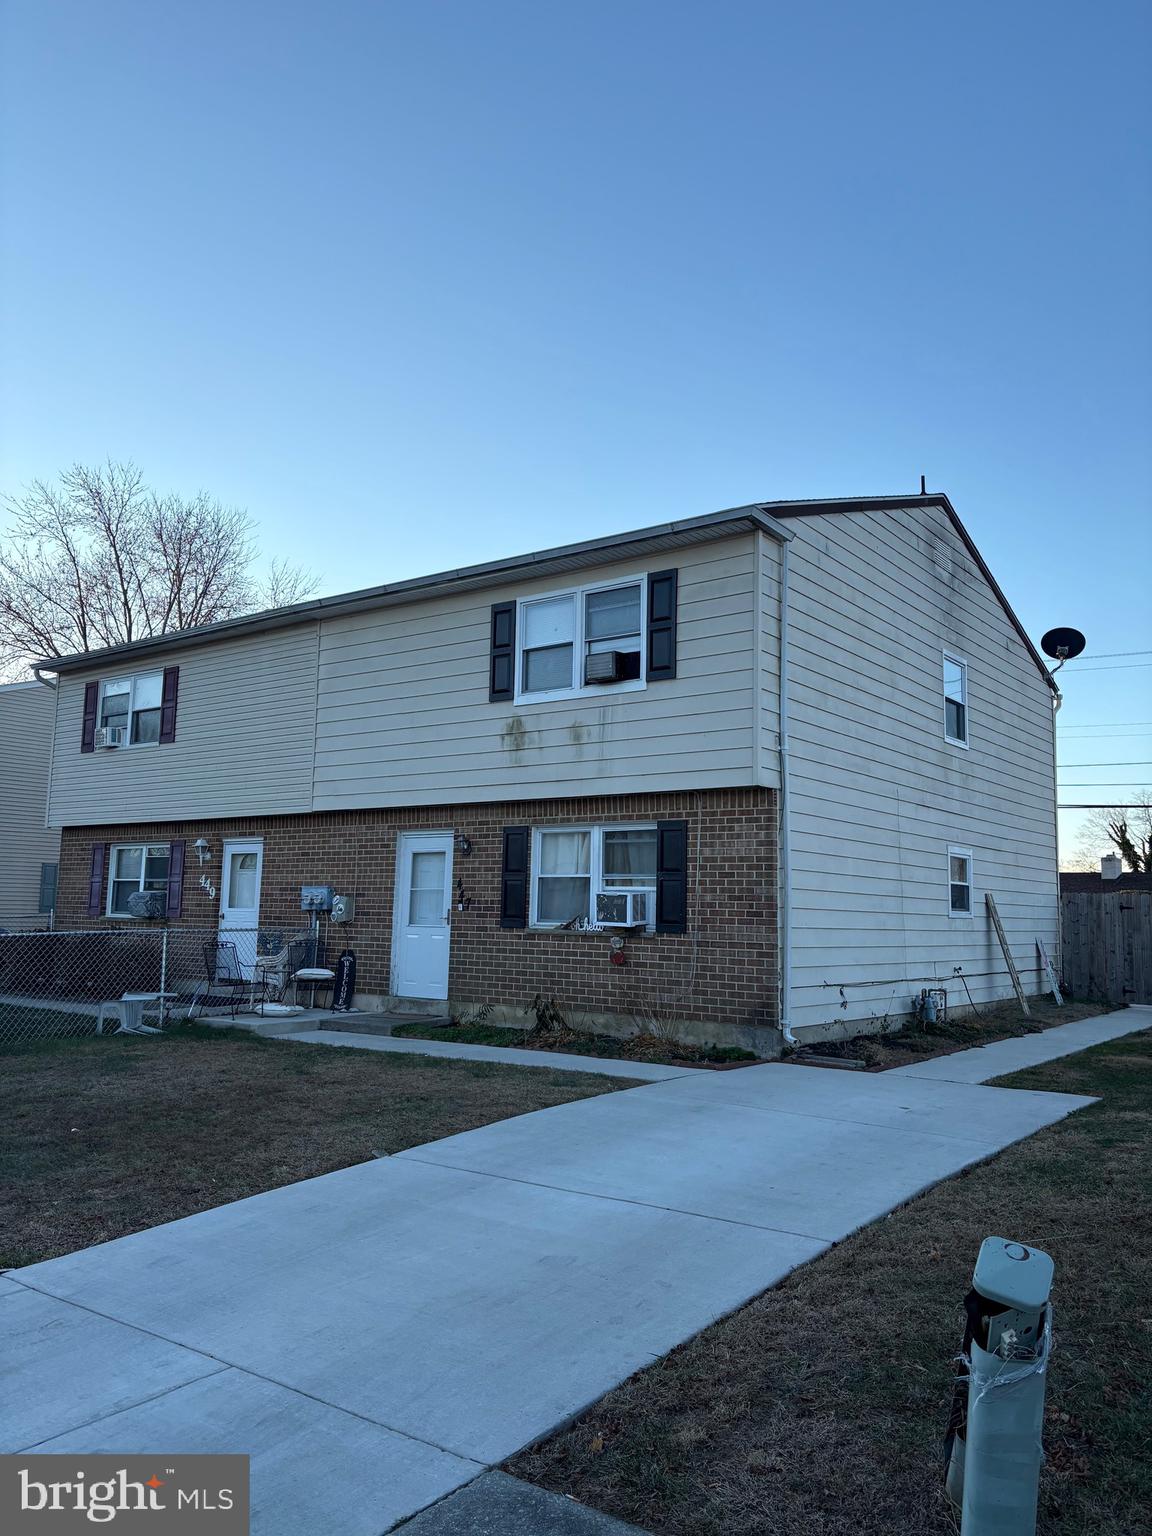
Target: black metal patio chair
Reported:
point(225, 984)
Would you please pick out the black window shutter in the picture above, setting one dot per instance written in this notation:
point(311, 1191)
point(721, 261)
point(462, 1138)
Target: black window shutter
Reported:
point(514, 879)
point(96, 879)
point(671, 877)
point(49, 875)
point(175, 878)
point(662, 587)
point(502, 661)
point(88, 728)
point(168, 695)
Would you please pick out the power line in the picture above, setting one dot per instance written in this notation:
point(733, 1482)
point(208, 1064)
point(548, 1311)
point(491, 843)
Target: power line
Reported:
point(1111, 805)
point(1102, 784)
point(1140, 763)
point(1101, 655)
point(1100, 725)
point(1120, 666)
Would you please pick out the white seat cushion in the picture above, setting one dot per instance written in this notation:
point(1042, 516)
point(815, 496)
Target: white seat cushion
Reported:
point(314, 973)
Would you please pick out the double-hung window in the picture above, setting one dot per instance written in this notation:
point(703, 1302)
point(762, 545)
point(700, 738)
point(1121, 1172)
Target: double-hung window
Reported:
point(955, 700)
point(133, 705)
point(571, 866)
point(960, 882)
point(135, 867)
point(585, 639)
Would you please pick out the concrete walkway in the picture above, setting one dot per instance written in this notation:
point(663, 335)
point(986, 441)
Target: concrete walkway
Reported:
point(984, 1062)
point(559, 1061)
point(381, 1336)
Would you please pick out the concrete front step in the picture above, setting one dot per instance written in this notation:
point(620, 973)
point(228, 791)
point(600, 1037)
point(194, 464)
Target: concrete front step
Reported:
point(375, 1023)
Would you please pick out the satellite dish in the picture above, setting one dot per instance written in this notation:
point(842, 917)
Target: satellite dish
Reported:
point(1062, 644)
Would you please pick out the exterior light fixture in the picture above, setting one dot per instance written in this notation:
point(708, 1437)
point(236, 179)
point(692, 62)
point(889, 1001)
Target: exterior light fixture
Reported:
point(203, 851)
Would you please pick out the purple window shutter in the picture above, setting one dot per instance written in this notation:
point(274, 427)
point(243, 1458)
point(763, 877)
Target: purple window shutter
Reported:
point(175, 878)
point(168, 704)
point(96, 879)
point(88, 728)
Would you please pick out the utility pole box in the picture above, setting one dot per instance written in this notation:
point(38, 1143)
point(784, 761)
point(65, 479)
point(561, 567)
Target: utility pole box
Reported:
point(995, 1450)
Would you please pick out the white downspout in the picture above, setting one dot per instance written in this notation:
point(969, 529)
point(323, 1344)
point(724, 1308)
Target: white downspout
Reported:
point(784, 853)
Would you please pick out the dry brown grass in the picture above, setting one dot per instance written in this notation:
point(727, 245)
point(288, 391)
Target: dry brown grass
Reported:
point(818, 1409)
point(998, 1021)
point(100, 1137)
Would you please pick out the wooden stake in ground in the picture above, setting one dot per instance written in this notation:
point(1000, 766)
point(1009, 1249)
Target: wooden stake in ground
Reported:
point(1050, 973)
point(1012, 971)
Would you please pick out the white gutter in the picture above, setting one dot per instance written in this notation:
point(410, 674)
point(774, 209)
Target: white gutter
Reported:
point(784, 853)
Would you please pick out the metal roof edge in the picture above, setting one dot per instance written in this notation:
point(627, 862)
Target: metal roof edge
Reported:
point(442, 583)
point(932, 498)
point(768, 516)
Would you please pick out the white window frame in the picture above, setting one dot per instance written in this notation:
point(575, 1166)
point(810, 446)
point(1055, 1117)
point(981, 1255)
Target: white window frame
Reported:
point(137, 677)
point(961, 853)
point(579, 641)
point(117, 848)
point(957, 661)
point(595, 869)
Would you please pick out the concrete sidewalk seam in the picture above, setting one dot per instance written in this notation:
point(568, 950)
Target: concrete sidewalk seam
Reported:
point(222, 1365)
point(153, 1397)
point(647, 1205)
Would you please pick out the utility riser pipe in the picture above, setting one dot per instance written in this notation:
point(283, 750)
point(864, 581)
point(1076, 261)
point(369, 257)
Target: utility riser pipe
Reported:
point(995, 1467)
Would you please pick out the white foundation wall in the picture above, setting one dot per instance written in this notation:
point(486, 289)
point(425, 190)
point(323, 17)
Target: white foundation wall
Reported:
point(877, 793)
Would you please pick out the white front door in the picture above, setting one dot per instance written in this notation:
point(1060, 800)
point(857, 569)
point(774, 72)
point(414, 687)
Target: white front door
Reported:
point(422, 914)
point(240, 899)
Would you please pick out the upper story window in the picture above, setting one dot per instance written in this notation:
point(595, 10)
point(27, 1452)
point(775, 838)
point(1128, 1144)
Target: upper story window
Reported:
point(587, 638)
point(955, 700)
point(131, 705)
point(130, 711)
point(135, 867)
point(959, 882)
point(587, 875)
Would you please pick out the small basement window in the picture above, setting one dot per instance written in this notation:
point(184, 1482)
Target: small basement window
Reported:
point(955, 700)
point(133, 704)
point(135, 867)
point(960, 882)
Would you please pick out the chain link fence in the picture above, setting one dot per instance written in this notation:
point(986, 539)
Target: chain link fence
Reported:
point(55, 984)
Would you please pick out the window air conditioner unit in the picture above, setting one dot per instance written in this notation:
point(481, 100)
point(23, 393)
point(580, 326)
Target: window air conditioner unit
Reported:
point(110, 736)
point(622, 909)
point(148, 904)
point(604, 667)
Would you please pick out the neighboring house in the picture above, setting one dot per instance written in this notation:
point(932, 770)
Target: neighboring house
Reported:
point(1101, 884)
point(494, 760)
point(29, 851)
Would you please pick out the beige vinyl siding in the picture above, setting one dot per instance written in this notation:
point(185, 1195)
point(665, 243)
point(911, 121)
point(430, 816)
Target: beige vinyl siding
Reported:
point(878, 795)
point(245, 734)
point(27, 711)
point(404, 716)
point(768, 661)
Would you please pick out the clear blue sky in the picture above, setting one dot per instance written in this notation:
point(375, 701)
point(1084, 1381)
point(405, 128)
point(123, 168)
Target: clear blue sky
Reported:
point(422, 282)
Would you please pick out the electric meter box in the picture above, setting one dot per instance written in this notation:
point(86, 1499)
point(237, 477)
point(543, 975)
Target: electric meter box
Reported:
point(343, 909)
point(316, 898)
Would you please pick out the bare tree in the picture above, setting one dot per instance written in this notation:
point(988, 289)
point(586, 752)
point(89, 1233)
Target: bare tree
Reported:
point(1126, 830)
point(100, 559)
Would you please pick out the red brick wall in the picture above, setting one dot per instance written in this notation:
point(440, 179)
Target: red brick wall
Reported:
point(723, 970)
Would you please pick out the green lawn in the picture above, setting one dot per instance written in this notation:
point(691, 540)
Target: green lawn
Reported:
point(819, 1408)
point(99, 1137)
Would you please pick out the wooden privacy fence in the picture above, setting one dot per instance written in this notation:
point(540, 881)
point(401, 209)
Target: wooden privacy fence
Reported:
point(1107, 946)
